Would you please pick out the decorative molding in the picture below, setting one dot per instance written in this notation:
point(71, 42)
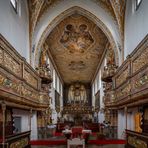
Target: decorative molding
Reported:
point(123, 91)
point(140, 82)
point(122, 77)
point(30, 78)
point(140, 60)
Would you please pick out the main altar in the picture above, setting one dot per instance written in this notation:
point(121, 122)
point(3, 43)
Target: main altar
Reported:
point(77, 106)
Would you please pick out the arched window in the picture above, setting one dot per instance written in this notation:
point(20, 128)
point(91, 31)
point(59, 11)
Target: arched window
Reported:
point(14, 4)
point(138, 2)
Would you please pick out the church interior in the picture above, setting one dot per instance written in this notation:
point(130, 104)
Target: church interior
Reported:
point(73, 73)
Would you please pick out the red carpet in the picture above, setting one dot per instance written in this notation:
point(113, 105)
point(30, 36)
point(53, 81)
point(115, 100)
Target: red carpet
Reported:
point(63, 142)
point(48, 142)
point(106, 141)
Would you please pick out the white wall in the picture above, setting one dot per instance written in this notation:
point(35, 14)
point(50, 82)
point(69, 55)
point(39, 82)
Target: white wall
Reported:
point(25, 121)
point(15, 27)
point(122, 121)
point(34, 133)
point(130, 118)
point(97, 85)
point(136, 25)
point(121, 124)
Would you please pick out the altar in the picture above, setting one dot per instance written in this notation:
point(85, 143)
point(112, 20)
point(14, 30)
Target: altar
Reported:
point(77, 132)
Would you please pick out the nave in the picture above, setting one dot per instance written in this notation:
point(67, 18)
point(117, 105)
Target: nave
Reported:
point(73, 73)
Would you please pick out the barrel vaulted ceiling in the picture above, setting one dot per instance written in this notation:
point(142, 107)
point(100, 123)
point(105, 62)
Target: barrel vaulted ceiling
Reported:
point(76, 43)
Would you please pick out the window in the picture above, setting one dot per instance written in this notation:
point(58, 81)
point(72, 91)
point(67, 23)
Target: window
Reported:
point(14, 4)
point(138, 2)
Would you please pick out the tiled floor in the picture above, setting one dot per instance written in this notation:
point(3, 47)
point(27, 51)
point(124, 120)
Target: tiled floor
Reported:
point(88, 146)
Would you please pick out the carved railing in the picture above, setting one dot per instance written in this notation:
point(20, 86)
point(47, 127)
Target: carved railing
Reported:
point(20, 140)
point(131, 78)
point(19, 82)
point(136, 140)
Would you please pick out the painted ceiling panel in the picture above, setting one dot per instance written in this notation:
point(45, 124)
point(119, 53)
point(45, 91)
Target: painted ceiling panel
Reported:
point(77, 45)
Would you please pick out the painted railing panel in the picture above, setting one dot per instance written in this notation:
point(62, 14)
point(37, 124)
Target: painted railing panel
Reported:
point(19, 82)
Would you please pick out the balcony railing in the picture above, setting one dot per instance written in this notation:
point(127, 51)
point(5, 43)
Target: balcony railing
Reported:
point(131, 78)
point(19, 82)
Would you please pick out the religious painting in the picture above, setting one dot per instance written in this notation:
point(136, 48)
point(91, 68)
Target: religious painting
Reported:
point(76, 38)
point(77, 65)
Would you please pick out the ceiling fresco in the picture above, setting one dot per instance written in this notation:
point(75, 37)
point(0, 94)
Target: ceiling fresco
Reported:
point(76, 45)
point(115, 8)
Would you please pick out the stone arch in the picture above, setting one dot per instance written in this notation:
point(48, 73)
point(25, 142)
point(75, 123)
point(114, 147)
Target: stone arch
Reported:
point(51, 24)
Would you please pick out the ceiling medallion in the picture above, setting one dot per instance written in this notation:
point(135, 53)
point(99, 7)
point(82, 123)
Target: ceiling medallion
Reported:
point(76, 39)
point(77, 65)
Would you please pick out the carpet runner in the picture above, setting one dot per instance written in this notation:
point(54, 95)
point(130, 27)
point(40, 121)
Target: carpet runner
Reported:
point(63, 142)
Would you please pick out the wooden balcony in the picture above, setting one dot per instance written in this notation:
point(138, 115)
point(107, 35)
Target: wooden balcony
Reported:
point(137, 140)
point(131, 78)
point(20, 84)
point(21, 140)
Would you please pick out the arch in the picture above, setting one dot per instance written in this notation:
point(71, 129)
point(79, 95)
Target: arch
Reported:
point(48, 22)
